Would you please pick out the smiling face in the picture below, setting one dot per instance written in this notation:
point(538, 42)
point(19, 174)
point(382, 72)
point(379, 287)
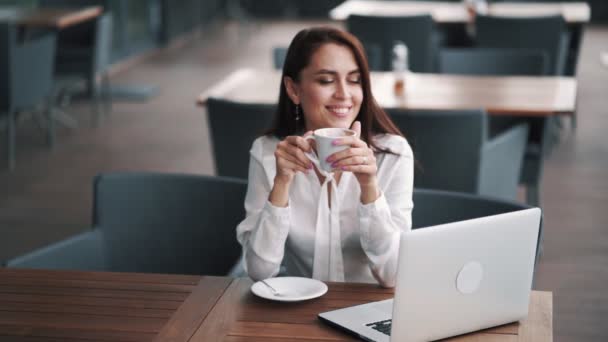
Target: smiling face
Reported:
point(329, 91)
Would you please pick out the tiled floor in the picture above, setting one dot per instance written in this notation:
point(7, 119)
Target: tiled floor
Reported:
point(48, 196)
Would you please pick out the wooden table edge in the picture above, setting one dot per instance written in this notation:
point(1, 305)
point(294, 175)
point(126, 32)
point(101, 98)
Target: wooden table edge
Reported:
point(187, 319)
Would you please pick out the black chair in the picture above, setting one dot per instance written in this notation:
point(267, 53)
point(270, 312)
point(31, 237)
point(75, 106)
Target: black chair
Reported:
point(493, 61)
point(84, 53)
point(379, 33)
point(497, 61)
point(453, 152)
point(548, 34)
point(233, 128)
point(434, 207)
point(153, 223)
point(26, 79)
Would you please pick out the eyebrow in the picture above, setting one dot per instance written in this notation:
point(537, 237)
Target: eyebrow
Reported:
point(333, 72)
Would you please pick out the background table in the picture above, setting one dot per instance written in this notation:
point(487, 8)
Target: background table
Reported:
point(455, 12)
point(39, 305)
point(52, 18)
point(529, 96)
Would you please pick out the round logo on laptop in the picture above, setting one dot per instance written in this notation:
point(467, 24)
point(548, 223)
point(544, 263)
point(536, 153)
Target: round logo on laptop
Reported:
point(469, 277)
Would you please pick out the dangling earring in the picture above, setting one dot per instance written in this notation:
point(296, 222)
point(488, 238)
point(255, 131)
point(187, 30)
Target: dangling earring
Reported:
point(297, 112)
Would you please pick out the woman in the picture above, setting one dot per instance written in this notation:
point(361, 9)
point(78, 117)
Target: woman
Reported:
point(343, 226)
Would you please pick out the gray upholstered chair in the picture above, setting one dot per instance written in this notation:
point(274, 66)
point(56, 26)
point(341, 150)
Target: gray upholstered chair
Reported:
point(547, 33)
point(493, 61)
point(233, 128)
point(26, 76)
point(278, 56)
point(498, 61)
point(153, 223)
point(453, 152)
point(434, 207)
point(379, 33)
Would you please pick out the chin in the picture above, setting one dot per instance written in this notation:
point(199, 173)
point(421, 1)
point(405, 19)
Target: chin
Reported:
point(341, 124)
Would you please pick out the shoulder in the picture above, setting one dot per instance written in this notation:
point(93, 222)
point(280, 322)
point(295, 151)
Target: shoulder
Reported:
point(264, 145)
point(394, 143)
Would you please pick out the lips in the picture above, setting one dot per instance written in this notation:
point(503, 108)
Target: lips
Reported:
point(339, 111)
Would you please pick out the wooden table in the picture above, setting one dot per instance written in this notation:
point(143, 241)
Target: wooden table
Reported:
point(529, 96)
point(51, 18)
point(455, 12)
point(38, 305)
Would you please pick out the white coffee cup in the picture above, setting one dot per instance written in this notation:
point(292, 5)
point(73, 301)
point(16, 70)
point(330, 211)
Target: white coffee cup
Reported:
point(324, 138)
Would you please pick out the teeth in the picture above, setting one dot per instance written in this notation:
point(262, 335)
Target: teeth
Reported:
point(339, 110)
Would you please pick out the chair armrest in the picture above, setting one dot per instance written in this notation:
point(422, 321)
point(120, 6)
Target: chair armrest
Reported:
point(501, 163)
point(81, 252)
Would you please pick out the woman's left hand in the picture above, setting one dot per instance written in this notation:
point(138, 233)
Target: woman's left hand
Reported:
point(360, 160)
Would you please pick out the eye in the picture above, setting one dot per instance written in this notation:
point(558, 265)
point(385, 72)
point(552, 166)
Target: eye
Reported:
point(325, 80)
point(356, 79)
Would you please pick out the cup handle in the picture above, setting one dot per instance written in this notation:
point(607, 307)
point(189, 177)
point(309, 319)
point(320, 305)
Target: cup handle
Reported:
point(313, 158)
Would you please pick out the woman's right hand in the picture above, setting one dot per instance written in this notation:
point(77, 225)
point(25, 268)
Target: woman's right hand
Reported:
point(290, 159)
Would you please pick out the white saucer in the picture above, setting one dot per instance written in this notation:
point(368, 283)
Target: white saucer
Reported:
point(291, 289)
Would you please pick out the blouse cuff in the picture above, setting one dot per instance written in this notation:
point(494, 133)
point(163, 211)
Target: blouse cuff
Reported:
point(268, 241)
point(280, 213)
point(372, 212)
point(380, 204)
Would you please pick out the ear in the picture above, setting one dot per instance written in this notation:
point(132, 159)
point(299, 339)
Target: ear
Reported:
point(292, 89)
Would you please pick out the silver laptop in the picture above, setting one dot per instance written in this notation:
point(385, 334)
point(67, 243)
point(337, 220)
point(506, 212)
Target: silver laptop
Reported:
point(453, 279)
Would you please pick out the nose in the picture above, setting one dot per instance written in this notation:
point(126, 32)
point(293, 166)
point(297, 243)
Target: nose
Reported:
point(342, 91)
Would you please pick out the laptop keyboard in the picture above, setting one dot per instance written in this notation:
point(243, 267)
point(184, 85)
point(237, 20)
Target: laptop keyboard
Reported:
point(382, 326)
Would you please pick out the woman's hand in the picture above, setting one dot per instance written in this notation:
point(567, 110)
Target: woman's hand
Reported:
point(290, 159)
point(360, 160)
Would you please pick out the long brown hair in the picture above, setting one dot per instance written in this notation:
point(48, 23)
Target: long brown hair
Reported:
point(373, 118)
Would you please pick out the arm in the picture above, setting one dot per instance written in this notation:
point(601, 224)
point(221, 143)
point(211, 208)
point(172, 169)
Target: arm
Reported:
point(382, 221)
point(264, 231)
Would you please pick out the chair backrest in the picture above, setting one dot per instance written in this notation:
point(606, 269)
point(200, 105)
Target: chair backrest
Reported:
point(27, 69)
point(547, 33)
point(233, 128)
point(278, 56)
point(488, 61)
point(169, 223)
point(433, 207)
point(7, 35)
point(379, 33)
point(447, 146)
point(103, 42)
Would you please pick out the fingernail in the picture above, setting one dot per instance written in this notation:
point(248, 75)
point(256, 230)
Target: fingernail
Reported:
point(334, 164)
point(310, 166)
point(342, 168)
point(336, 142)
point(329, 159)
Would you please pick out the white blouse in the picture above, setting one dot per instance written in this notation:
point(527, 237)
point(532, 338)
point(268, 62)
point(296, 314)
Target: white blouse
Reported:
point(344, 241)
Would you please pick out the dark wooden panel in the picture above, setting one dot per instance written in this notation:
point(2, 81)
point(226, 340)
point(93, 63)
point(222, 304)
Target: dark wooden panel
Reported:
point(78, 321)
point(62, 308)
point(50, 333)
point(86, 292)
point(194, 310)
point(90, 301)
point(103, 276)
point(95, 284)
